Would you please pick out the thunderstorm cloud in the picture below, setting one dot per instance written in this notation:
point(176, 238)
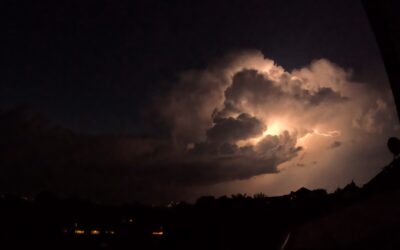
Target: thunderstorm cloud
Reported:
point(241, 117)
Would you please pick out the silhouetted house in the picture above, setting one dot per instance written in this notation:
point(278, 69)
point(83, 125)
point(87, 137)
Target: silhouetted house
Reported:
point(351, 188)
point(299, 194)
point(306, 194)
point(348, 193)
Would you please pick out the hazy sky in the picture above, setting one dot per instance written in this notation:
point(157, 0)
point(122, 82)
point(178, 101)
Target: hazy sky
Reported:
point(161, 100)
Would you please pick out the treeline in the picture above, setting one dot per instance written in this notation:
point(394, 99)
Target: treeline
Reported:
point(229, 221)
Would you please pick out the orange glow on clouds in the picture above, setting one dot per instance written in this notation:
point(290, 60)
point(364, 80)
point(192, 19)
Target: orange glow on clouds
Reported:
point(275, 128)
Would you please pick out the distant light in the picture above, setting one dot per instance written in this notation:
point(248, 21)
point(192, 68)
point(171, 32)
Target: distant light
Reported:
point(75, 224)
point(109, 232)
point(94, 232)
point(65, 231)
point(190, 146)
point(112, 232)
point(79, 231)
point(158, 233)
point(130, 220)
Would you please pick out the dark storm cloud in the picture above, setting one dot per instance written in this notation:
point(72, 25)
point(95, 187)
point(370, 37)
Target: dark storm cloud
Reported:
point(282, 146)
point(233, 129)
point(253, 88)
point(326, 95)
point(241, 117)
point(37, 156)
point(313, 104)
point(335, 144)
point(210, 163)
point(213, 149)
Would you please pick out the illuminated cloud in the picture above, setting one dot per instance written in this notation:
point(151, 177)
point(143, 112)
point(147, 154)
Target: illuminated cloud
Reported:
point(243, 124)
point(311, 107)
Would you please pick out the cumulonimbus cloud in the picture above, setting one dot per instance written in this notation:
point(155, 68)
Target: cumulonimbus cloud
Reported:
point(209, 111)
point(242, 116)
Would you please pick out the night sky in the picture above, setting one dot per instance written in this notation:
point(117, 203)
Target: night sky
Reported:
point(159, 100)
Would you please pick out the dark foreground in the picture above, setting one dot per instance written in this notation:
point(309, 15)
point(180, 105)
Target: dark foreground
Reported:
point(350, 218)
